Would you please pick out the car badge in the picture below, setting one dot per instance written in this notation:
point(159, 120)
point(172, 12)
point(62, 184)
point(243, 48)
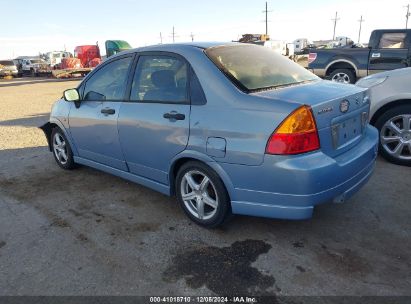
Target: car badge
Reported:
point(344, 106)
point(325, 110)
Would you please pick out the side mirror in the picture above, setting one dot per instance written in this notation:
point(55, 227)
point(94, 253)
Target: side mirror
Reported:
point(71, 95)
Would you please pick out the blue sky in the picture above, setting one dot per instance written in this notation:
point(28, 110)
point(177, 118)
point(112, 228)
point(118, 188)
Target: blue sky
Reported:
point(32, 26)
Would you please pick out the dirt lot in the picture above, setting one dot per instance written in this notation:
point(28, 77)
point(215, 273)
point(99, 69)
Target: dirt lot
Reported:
point(84, 232)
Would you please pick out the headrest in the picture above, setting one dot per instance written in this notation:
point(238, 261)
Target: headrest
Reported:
point(163, 78)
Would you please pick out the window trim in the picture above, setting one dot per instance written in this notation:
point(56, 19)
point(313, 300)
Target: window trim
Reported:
point(83, 84)
point(164, 54)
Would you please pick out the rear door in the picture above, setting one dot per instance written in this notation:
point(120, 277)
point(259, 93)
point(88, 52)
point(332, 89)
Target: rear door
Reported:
point(392, 52)
point(93, 125)
point(154, 122)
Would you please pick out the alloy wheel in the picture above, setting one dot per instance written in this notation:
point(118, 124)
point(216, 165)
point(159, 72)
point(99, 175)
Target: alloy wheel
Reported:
point(341, 77)
point(395, 137)
point(60, 148)
point(199, 195)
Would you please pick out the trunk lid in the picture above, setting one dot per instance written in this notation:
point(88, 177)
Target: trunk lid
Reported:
point(340, 111)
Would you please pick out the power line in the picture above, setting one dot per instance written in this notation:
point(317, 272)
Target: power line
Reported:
point(359, 32)
point(335, 23)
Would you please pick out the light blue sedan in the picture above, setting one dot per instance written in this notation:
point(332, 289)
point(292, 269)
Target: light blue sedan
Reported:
point(231, 128)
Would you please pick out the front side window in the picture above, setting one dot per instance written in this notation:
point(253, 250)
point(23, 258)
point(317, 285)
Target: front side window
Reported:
point(109, 82)
point(392, 41)
point(253, 67)
point(160, 79)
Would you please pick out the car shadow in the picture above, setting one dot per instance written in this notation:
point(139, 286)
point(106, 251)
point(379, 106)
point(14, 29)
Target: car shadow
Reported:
point(27, 121)
point(24, 81)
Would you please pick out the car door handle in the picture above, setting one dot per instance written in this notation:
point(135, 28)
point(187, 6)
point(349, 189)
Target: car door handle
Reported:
point(376, 55)
point(174, 115)
point(108, 111)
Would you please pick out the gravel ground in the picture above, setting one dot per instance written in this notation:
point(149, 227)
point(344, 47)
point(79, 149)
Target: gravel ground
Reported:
point(84, 232)
point(24, 104)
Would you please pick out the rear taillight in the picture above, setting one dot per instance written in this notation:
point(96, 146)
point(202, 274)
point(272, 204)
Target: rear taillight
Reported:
point(296, 134)
point(312, 57)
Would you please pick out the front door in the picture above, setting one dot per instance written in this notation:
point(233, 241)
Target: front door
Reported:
point(154, 123)
point(392, 53)
point(93, 125)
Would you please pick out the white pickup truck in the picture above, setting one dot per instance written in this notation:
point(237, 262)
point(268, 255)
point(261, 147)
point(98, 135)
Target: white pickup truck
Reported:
point(35, 66)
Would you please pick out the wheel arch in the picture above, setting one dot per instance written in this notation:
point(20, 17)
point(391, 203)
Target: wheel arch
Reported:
point(48, 127)
point(187, 156)
point(386, 107)
point(341, 64)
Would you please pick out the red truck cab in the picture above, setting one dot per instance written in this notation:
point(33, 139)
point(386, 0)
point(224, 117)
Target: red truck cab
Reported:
point(89, 55)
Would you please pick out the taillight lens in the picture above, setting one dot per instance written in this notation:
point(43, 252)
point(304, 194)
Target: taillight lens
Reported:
point(312, 57)
point(296, 134)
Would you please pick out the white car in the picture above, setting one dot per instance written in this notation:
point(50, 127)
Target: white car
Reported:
point(390, 94)
point(8, 68)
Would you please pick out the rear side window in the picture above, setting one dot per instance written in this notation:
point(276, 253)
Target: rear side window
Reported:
point(392, 41)
point(160, 78)
point(109, 82)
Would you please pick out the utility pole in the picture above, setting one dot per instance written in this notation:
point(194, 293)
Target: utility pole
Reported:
point(359, 32)
point(161, 38)
point(266, 11)
point(173, 34)
point(335, 23)
point(192, 36)
point(407, 16)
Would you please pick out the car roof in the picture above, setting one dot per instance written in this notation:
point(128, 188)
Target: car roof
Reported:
point(177, 47)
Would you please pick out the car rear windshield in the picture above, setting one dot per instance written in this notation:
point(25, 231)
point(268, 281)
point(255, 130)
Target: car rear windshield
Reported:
point(254, 68)
point(6, 62)
point(36, 61)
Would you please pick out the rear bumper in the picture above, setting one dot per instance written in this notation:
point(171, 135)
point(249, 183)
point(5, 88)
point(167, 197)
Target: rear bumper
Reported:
point(290, 187)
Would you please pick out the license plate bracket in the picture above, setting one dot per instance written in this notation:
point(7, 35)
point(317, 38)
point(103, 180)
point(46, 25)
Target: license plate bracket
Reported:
point(346, 131)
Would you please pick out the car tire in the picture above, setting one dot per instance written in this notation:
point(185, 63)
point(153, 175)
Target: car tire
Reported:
point(199, 186)
point(400, 116)
point(61, 149)
point(343, 76)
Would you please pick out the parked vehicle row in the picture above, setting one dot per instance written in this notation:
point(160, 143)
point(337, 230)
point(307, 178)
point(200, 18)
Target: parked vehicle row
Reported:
point(232, 128)
point(62, 63)
point(387, 50)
